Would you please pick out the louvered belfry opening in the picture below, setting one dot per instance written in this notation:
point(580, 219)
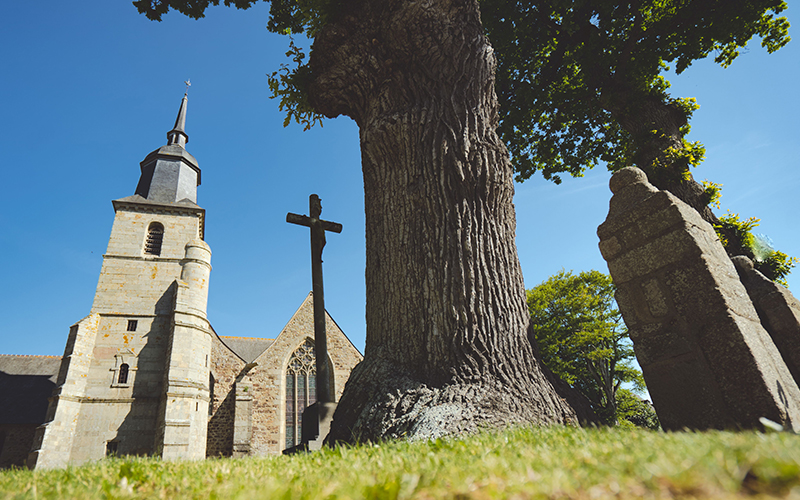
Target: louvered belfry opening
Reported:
point(155, 236)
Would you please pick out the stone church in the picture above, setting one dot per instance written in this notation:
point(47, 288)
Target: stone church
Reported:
point(145, 373)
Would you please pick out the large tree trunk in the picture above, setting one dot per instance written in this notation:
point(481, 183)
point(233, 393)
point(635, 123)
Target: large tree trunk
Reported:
point(446, 348)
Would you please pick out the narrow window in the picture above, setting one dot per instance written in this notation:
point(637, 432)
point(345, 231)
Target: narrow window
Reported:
point(155, 235)
point(132, 324)
point(123, 374)
point(111, 448)
point(2, 441)
point(211, 383)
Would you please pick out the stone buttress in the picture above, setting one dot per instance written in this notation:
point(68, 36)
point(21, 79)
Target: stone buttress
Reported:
point(134, 376)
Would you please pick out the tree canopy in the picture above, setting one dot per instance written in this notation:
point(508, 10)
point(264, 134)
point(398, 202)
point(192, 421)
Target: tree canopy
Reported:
point(579, 82)
point(582, 82)
point(581, 336)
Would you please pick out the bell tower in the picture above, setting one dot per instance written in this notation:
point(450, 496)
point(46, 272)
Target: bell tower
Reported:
point(134, 376)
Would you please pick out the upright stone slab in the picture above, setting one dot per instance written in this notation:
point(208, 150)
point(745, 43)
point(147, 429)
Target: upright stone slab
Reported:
point(707, 361)
point(778, 309)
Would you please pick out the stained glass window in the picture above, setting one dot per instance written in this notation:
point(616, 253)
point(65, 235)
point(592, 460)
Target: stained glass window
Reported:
point(301, 376)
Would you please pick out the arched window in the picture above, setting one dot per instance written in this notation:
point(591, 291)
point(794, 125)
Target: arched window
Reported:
point(122, 378)
point(155, 235)
point(301, 389)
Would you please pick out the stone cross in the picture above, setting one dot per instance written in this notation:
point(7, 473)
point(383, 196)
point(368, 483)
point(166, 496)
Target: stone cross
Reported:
point(318, 228)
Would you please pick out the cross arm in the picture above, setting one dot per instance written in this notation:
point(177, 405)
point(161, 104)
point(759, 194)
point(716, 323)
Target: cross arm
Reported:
point(304, 220)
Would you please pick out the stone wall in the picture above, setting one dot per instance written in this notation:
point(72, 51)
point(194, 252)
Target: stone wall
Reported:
point(707, 361)
point(267, 381)
point(225, 366)
point(134, 282)
point(15, 444)
point(92, 407)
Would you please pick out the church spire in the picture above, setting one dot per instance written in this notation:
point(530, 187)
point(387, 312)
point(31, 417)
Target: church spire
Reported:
point(170, 174)
point(178, 135)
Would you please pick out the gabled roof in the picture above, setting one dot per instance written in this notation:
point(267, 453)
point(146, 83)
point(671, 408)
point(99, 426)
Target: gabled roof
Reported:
point(247, 348)
point(307, 308)
point(25, 384)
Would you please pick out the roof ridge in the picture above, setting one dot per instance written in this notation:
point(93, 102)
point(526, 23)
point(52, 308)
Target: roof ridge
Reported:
point(248, 338)
point(31, 355)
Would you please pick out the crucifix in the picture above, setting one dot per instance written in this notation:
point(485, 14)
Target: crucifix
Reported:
point(318, 228)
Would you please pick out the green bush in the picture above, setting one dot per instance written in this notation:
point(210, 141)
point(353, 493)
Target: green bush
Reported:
point(736, 233)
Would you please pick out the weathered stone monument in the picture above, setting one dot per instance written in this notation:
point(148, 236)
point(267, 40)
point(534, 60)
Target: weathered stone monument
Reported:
point(707, 360)
point(778, 310)
point(317, 417)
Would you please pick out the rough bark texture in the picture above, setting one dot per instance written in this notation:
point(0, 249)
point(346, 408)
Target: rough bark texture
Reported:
point(446, 347)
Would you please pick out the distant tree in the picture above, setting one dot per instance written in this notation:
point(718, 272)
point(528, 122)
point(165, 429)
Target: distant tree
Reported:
point(634, 411)
point(581, 337)
point(446, 347)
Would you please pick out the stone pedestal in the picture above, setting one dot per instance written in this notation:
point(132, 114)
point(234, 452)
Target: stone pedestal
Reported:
point(317, 420)
point(707, 361)
point(317, 424)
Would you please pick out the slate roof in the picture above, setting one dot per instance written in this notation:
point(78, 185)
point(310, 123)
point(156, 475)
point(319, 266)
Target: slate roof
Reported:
point(25, 384)
point(247, 348)
point(135, 198)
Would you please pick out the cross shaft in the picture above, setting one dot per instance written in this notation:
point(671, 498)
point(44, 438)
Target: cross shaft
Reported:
point(318, 228)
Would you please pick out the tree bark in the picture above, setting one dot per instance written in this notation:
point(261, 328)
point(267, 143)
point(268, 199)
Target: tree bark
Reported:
point(446, 348)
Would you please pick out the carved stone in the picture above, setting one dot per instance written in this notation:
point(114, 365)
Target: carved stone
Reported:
point(707, 360)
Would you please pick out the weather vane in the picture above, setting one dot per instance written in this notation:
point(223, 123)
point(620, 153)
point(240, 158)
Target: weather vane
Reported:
point(188, 84)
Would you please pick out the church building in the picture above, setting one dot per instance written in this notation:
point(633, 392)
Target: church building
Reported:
point(145, 373)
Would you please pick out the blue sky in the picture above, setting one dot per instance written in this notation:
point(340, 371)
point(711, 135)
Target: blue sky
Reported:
point(90, 87)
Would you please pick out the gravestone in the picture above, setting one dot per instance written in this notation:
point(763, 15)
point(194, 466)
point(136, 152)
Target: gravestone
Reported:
point(778, 310)
point(707, 360)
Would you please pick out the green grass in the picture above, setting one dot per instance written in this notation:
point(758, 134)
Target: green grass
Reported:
point(553, 462)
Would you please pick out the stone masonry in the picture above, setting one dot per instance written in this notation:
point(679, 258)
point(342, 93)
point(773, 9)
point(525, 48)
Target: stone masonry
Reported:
point(145, 373)
point(250, 397)
point(135, 372)
point(707, 361)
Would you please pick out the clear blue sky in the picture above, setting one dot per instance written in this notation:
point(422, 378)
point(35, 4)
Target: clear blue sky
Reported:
point(90, 87)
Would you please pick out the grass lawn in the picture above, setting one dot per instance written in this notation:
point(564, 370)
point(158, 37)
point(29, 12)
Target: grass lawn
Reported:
point(529, 462)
